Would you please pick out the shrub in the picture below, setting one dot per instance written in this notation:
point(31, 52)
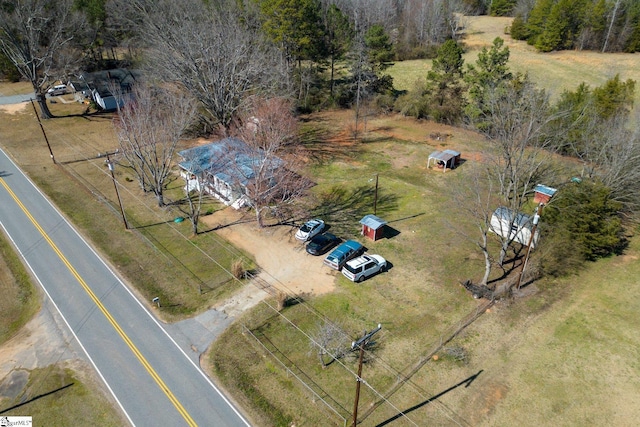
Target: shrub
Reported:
point(237, 269)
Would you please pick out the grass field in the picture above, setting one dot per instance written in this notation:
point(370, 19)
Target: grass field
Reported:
point(19, 296)
point(59, 395)
point(555, 71)
point(550, 353)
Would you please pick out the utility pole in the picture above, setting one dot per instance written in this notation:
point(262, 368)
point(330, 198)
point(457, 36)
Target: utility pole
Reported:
point(536, 219)
point(115, 185)
point(43, 132)
point(375, 197)
point(361, 343)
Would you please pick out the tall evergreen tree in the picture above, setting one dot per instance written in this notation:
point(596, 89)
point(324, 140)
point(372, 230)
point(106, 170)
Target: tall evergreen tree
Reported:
point(379, 46)
point(296, 26)
point(445, 84)
point(490, 71)
point(339, 34)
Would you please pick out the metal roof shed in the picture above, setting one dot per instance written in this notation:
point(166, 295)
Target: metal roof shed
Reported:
point(447, 159)
point(373, 227)
point(543, 193)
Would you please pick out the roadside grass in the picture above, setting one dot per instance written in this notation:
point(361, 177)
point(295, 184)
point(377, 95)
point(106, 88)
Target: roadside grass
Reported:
point(19, 300)
point(19, 88)
point(58, 395)
point(157, 256)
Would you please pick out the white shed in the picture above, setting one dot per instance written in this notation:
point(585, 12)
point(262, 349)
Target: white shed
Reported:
point(516, 226)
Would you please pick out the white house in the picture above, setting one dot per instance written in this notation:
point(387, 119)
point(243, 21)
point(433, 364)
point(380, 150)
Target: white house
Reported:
point(515, 226)
point(222, 169)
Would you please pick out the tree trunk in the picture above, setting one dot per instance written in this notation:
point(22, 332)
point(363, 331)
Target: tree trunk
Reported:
point(332, 76)
point(487, 262)
point(613, 18)
point(259, 217)
point(44, 108)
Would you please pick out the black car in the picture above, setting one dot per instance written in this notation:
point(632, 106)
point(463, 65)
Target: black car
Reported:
point(322, 243)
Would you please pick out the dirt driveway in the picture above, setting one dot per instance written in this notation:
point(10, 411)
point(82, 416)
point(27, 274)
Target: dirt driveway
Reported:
point(282, 259)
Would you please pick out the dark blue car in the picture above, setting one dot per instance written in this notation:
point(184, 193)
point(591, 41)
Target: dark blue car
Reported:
point(322, 243)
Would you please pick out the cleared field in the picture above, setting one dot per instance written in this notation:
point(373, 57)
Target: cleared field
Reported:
point(555, 71)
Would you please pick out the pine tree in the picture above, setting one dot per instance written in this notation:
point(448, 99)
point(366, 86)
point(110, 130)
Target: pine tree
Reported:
point(445, 85)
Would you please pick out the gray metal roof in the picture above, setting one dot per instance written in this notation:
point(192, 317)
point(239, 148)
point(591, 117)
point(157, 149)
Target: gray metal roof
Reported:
point(230, 160)
point(372, 221)
point(543, 189)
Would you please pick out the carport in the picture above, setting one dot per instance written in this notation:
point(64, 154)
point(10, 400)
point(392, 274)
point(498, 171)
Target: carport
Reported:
point(447, 159)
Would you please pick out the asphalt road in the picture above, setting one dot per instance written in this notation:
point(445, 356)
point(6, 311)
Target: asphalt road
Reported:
point(16, 99)
point(151, 377)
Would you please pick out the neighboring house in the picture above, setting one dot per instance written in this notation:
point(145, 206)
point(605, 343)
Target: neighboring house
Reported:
point(222, 169)
point(102, 85)
point(515, 226)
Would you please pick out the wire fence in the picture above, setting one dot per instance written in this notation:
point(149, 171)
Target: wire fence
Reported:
point(317, 392)
point(451, 333)
point(403, 377)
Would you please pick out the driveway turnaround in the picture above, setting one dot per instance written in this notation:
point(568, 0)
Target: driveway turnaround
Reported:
point(150, 376)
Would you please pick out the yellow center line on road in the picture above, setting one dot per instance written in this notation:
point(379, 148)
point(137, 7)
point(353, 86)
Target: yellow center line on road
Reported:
point(104, 311)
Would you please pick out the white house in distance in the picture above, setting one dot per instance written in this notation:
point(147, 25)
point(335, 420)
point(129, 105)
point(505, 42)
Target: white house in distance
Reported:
point(223, 169)
point(517, 226)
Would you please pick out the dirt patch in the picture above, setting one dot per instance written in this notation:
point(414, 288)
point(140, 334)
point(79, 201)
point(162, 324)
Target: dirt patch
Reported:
point(13, 108)
point(282, 260)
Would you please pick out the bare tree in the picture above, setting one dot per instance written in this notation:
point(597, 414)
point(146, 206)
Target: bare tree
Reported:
point(610, 152)
point(329, 340)
point(271, 175)
point(194, 198)
point(515, 122)
point(149, 127)
point(36, 36)
point(478, 201)
point(206, 47)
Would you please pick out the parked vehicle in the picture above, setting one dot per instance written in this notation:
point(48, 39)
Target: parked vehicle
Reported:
point(310, 229)
point(364, 266)
point(343, 253)
point(57, 90)
point(322, 243)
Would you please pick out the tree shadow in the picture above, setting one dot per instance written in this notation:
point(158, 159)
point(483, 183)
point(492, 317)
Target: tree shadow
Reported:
point(320, 148)
point(467, 383)
point(344, 208)
point(407, 217)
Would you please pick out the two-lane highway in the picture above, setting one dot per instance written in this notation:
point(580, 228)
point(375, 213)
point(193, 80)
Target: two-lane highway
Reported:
point(153, 380)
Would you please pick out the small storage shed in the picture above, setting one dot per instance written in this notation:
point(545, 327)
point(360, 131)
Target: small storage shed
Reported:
point(373, 227)
point(513, 225)
point(543, 193)
point(447, 159)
